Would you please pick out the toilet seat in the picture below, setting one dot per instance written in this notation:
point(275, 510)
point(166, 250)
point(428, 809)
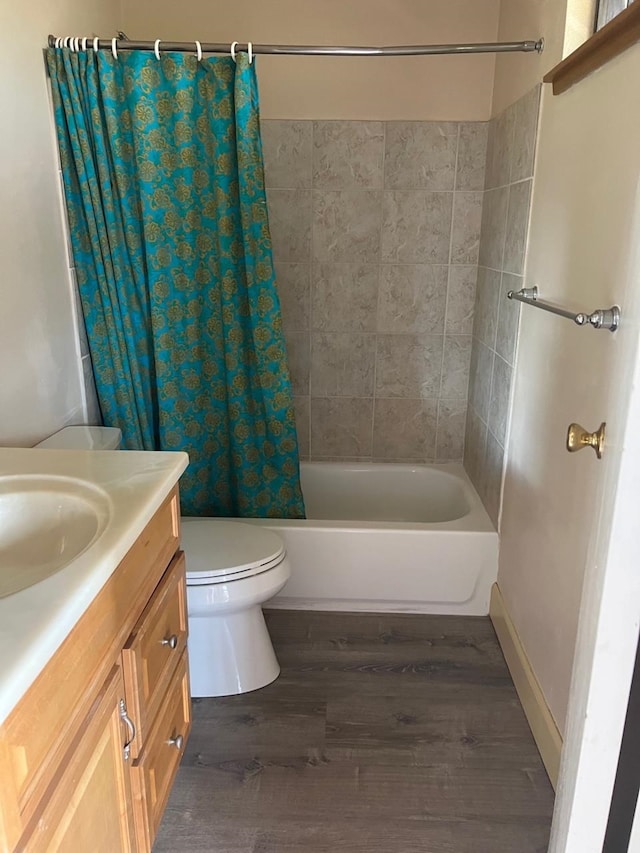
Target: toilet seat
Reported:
point(219, 551)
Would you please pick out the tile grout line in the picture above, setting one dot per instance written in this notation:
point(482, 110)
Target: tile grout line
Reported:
point(311, 288)
point(446, 304)
point(374, 392)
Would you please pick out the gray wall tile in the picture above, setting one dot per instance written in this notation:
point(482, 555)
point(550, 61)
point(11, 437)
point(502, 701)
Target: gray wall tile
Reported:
point(290, 224)
point(508, 318)
point(340, 458)
point(500, 149)
point(416, 227)
point(494, 228)
point(420, 155)
point(491, 477)
point(293, 289)
point(404, 429)
point(301, 406)
point(472, 155)
point(348, 154)
point(461, 297)
point(341, 426)
point(412, 298)
point(517, 225)
point(456, 363)
point(465, 234)
point(452, 416)
point(486, 310)
point(342, 364)
point(481, 373)
point(475, 444)
point(298, 355)
point(344, 297)
point(286, 149)
point(346, 225)
point(408, 366)
point(524, 140)
point(500, 396)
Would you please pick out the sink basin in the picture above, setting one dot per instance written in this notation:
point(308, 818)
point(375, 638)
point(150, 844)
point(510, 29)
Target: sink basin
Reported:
point(45, 523)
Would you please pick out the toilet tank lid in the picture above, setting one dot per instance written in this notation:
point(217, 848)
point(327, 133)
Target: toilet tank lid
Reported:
point(83, 438)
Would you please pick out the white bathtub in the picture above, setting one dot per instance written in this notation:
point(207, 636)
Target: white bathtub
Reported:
point(389, 538)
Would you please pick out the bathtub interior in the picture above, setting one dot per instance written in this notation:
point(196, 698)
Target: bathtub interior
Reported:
point(383, 493)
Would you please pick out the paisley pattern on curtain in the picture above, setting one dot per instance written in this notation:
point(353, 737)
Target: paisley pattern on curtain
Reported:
point(163, 177)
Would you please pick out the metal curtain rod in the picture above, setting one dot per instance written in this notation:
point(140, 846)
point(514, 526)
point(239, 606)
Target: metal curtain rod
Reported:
point(307, 50)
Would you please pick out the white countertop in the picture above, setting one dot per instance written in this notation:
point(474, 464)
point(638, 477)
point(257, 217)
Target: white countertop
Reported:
point(35, 621)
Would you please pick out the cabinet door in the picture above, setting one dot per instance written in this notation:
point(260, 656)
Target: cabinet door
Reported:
point(89, 805)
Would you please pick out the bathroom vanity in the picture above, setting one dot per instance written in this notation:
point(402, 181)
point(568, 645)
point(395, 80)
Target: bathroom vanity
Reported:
point(94, 689)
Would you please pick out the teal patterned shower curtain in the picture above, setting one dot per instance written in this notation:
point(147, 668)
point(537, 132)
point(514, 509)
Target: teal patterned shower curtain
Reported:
point(163, 177)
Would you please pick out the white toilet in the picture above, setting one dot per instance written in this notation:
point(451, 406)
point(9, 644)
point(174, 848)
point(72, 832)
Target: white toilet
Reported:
point(232, 569)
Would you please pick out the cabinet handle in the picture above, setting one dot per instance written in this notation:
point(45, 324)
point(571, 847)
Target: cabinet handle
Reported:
point(176, 741)
point(126, 719)
point(171, 641)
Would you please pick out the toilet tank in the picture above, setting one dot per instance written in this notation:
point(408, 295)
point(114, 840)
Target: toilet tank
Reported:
point(83, 438)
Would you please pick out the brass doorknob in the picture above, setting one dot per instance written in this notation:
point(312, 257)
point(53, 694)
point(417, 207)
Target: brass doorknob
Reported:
point(578, 437)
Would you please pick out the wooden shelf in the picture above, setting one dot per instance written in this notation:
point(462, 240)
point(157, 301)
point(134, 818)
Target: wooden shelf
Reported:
point(621, 33)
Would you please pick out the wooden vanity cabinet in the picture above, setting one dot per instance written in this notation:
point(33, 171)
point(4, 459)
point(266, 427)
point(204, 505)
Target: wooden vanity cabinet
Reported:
point(74, 776)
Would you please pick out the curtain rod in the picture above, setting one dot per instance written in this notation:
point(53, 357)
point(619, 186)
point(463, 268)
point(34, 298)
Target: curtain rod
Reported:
point(123, 43)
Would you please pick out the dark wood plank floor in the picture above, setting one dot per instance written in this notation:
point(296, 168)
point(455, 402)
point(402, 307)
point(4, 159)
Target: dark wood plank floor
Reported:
point(383, 734)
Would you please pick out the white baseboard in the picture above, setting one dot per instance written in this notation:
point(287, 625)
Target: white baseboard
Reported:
point(543, 727)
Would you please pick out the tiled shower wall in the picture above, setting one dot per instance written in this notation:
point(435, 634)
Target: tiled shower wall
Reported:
point(375, 229)
point(505, 223)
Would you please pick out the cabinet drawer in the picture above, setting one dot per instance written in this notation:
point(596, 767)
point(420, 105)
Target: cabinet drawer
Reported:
point(153, 650)
point(153, 772)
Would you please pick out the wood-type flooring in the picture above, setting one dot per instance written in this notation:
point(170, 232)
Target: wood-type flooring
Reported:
point(383, 734)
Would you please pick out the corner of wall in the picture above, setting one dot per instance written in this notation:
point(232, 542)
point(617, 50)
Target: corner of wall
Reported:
point(502, 256)
point(543, 727)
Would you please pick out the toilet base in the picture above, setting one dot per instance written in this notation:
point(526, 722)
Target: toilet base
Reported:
point(230, 653)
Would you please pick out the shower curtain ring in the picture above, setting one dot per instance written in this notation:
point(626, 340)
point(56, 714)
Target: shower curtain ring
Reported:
point(65, 42)
point(156, 49)
point(199, 51)
point(76, 44)
point(114, 47)
point(58, 41)
point(95, 44)
point(234, 45)
point(250, 51)
point(84, 43)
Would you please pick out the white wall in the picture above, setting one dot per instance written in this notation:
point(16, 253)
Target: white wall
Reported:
point(420, 88)
point(517, 73)
point(564, 25)
point(40, 382)
point(580, 249)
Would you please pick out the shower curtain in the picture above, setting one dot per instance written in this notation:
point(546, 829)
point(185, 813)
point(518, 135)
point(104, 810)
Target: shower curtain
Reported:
point(163, 177)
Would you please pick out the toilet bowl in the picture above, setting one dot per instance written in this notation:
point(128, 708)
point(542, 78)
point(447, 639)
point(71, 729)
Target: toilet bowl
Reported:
point(232, 569)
